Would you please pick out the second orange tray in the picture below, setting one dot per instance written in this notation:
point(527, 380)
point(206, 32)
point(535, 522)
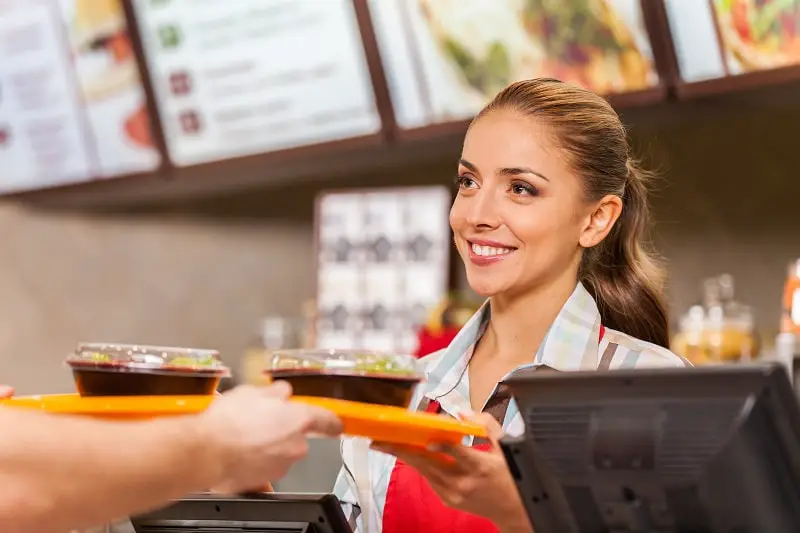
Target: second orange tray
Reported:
point(378, 422)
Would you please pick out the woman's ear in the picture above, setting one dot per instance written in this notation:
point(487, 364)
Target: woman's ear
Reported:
point(601, 221)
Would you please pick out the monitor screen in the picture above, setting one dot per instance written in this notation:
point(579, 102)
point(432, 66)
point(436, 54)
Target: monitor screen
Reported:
point(708, 449)
point(256, 513)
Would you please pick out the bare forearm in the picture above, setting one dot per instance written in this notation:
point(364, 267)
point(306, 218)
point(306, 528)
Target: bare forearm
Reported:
point(61, 473)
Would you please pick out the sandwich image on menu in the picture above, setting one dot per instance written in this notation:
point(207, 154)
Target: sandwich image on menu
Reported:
point(586, 42)
point(759, 34)
point(485, 45)
point(111, 85)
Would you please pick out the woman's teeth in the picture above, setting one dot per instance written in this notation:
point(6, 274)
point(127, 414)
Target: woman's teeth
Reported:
point(489, 250)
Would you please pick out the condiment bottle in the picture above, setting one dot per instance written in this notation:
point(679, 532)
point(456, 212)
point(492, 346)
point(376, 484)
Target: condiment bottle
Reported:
point(790, 318)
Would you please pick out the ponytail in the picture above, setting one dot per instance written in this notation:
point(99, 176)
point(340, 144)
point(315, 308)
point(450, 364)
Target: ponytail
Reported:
point(622, 276)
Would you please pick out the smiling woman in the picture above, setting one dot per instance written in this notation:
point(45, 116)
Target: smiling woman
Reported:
point(550, 220)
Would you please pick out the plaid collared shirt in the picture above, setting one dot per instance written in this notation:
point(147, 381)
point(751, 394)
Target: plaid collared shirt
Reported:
point(570, 344)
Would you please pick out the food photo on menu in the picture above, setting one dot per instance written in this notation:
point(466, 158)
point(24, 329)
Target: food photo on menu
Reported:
point(111, 85)
point(599, 44)
point(759, 34)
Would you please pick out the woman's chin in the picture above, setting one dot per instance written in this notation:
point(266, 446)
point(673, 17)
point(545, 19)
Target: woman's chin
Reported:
point(484, 288)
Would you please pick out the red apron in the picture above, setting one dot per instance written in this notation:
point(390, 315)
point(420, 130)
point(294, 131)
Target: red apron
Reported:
point(413, 506)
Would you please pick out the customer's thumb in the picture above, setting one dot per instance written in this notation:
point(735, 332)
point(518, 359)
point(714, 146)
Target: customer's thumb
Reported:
point(323, 422)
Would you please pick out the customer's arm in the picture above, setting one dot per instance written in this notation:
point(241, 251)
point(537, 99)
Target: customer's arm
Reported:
point(59, 473)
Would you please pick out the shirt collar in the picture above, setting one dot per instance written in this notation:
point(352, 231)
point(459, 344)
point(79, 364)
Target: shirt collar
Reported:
point(571, 343)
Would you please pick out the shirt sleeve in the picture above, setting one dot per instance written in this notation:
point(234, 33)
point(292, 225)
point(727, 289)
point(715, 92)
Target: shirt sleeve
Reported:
point(345, 489)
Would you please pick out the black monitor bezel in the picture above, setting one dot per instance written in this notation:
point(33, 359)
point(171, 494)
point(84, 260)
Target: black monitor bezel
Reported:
point(323, 511)
point(767, 384)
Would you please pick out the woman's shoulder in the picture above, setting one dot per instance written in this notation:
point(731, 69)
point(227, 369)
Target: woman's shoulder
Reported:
point(620, 350)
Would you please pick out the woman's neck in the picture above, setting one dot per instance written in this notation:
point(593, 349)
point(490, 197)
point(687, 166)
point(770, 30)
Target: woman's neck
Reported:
point(519, 322)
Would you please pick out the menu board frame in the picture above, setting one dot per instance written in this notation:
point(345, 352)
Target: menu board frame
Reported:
point(684, 90)
point(663, 58)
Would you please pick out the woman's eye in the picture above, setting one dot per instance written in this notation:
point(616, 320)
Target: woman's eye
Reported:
point(524, 189)
point(465, 182)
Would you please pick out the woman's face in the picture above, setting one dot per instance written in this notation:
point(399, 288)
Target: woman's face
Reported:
point(520, 212)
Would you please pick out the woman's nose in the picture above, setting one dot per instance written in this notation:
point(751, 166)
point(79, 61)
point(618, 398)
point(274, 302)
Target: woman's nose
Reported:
point(482, 210)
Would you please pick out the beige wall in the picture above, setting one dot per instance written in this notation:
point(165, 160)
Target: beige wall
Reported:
point(203, 275)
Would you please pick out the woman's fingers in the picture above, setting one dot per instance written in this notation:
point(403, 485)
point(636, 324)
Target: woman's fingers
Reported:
point(494, 431)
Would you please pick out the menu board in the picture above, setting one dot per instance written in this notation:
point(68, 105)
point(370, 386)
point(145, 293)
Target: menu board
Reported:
point(382, 265)
point(42, 133)
point(719, 38)
point(235, 78)
point(55, 128)
point(445, 59)
point(110, 86)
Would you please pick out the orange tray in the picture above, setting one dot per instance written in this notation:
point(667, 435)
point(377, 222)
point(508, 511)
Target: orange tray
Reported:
point(378, 422)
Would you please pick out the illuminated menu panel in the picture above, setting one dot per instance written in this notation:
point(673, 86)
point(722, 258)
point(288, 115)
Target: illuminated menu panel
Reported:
point(729, 37)
point(72, 107)
point(42, 134)
point(446, 59)
point(111, 89)
point(235, 78)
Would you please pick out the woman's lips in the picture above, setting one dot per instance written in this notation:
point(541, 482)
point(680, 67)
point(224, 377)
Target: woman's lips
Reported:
point(486, 253)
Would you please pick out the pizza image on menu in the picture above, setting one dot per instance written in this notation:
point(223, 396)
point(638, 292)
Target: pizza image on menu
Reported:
point(760, 34)
point(106, 62)
point(492, 44)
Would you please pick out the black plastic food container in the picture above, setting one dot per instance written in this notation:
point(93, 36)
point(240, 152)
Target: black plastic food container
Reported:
point(353, 375)
point(136, 370)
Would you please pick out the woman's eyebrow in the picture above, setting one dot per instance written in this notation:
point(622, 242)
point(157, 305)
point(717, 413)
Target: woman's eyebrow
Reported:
point(470, 166)
point(518, 171)
point(508, 171)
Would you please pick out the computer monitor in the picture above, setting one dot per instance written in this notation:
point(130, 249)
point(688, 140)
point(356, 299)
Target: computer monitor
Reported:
point(255, 513)
point(700, 450)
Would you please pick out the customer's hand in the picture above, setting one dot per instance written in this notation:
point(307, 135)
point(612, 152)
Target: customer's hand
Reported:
point(256, 435)
point(6, 391)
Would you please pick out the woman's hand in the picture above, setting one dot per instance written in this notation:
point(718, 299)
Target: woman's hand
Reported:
point(6, 391)
point(470, 480)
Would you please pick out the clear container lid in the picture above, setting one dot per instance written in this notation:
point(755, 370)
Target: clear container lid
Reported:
point(131, 357)
point(344, 362)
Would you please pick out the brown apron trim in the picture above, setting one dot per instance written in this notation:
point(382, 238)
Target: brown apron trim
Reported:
point(608, 356)
point(497, 406)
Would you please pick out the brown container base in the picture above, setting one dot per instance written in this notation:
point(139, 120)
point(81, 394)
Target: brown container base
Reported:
point(103, 383)
point(396, 392)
